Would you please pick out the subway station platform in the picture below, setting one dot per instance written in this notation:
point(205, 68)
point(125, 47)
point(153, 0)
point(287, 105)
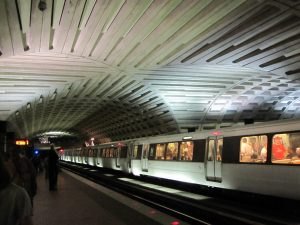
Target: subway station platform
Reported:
point(79, 201)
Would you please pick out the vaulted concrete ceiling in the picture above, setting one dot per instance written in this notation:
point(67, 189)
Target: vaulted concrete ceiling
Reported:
point(115, 69)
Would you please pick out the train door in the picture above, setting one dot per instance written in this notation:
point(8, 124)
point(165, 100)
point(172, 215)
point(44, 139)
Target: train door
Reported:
point(213, 158)
point(86, 155)
point(129, 155)
point(72, 155)
point(80, 156)
point(144, 160)
point(118, 155)
point(98, 154)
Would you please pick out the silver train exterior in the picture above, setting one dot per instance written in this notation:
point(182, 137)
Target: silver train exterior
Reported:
point(219, 158)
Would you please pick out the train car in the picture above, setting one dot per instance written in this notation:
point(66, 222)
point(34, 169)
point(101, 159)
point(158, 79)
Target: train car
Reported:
point(258, 158)
point(114, 155)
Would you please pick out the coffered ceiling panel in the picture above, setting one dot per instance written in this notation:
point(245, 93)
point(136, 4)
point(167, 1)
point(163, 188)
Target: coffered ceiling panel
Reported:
point(116, 69)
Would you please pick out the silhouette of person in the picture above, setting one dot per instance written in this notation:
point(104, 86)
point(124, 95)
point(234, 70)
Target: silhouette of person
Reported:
point(52, 168)
point(15, 205)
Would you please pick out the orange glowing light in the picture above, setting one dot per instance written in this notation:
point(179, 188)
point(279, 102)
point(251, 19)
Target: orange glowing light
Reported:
point(22, 142)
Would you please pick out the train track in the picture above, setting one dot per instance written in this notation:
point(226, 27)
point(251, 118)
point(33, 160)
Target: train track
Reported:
point(201, 210)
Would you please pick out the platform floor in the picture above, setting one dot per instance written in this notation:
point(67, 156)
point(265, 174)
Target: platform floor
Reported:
point(79, 201)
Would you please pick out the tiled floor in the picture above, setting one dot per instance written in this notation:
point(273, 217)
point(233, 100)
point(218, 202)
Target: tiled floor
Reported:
point(79, 201)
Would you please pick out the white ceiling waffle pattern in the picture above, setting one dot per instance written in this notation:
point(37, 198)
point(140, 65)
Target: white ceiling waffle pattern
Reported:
point(120, 69)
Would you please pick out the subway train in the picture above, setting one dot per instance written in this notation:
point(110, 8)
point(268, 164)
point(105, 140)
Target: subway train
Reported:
point(259, 158)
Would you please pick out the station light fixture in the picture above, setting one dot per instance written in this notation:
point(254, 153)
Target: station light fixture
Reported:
point(28, 106)
point(187, 138)
point(42, 5)
point(67, 92)
point(54, 95)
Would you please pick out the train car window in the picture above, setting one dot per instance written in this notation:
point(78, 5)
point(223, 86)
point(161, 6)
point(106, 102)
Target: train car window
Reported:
point(137, 152)
point(123, 152)
point(111, 153)
point(91, 153)
point(151, 151)
point(286, 148)
point(219, 150)
point(172, 151)
point(253, 149)
point(199, 150)
point(186, 150)
point(98, 153)
point(160, 151)
point(211, 146)
point(145, 151)
point(103, 152)
point(117, 152)
point(107, 153)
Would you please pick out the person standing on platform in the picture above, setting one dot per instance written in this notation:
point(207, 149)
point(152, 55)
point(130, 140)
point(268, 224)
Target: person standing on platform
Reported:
point(52, 168)
point(15, 206)
point(28, 174)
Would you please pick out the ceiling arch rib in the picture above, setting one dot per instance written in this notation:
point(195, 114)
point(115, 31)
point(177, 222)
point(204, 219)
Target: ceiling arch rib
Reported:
point(264, 37)
point(206, 97)
point(25, 78)
point(165, 100)
point(106, 95)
